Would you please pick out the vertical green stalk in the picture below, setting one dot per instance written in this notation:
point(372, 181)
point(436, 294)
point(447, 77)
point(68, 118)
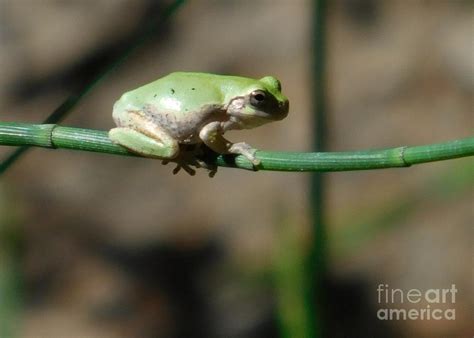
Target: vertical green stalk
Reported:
point(299, 278)
point(291, 282)
point(317, 256)
point(10, 291)
point(11, 279)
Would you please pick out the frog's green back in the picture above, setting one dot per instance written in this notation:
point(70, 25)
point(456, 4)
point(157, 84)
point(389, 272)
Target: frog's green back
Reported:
point(183, 92)
point(205, 88)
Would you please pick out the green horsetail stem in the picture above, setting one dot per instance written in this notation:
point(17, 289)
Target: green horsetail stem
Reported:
point(55, 136)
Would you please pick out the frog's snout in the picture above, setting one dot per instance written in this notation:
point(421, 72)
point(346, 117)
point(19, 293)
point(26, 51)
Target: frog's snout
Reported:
point(283, 108)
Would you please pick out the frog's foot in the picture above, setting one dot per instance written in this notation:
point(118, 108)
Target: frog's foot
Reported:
point(180, 165)
point(245, 150)
point(188, 158)
point(206, 159)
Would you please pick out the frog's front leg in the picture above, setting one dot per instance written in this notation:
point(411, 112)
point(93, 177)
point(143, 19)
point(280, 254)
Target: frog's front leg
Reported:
point(212, 136)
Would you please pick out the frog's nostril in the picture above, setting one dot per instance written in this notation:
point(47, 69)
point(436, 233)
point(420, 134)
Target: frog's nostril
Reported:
point(285, 106)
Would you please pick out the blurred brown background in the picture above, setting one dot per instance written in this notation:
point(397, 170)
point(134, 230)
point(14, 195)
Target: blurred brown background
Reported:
point(119, 247)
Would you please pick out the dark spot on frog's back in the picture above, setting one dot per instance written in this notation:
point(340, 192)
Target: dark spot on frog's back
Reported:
point(155, 95)
point(172, 91)
point(193, 88)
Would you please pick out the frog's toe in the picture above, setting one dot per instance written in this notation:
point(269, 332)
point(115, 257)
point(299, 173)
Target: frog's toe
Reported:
point(212, 168)
point(212, 172)
point(199, 163)
point(177, 169)
point(189, 170)
point(255, 161)
point(185, 167)
point(251, 157)
point(245, 150)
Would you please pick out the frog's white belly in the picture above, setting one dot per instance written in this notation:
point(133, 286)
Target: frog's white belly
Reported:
point(183, 127)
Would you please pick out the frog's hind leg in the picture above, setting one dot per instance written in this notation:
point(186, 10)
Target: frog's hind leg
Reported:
point(145, 138)
point(142, 144)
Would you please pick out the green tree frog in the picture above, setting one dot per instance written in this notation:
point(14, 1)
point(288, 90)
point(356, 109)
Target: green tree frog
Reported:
point(162, 118)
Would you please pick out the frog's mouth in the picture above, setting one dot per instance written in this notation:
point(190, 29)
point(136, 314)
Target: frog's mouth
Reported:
point(251, 116)
point(274, 111)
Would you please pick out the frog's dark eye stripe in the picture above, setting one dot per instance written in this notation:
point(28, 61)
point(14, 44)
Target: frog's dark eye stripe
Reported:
point(264, 101)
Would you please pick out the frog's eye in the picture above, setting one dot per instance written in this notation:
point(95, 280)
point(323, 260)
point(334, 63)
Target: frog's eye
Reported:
point(258, 98)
